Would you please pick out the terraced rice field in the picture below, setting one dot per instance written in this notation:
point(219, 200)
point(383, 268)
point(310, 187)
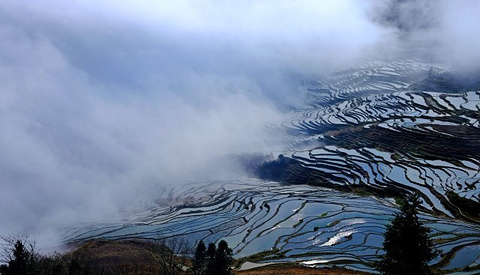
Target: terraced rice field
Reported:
point(302, 223)
point(378, 133)
point(369, 129)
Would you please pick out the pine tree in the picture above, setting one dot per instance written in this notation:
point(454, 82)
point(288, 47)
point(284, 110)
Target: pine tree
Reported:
point(407, 246)
point(215, 261)
point(199, 261)
point(223, 259)
point(210, 259)
point(23, 261)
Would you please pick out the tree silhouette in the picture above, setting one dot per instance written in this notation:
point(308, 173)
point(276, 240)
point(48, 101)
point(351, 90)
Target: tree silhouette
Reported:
point(199, 259)
point(168, 253)
point(407, 246)
point(22, 260)
point(215, 261)
point(223, 259)
point(210, 259)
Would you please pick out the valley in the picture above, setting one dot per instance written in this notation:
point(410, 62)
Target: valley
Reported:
point(366, 136)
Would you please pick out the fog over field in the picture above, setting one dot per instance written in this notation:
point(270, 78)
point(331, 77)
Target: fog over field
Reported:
point(102, 102)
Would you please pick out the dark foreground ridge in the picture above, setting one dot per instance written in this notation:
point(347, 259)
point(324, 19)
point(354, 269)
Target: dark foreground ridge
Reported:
point(128, 257)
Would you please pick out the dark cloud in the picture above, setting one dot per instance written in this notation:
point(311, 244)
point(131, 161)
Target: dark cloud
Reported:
point(407, 15)
point(440, 31)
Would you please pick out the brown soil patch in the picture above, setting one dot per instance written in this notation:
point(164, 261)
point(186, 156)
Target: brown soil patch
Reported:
point(121, 257)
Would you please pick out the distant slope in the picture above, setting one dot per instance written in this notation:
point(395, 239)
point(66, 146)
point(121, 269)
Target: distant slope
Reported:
point(448, 82)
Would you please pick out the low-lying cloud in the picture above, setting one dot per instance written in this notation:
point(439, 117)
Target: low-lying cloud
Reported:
point(101, 103)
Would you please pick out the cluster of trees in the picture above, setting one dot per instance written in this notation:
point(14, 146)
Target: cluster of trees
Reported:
point(22, 260)
point(212, 261)
point(20, 257)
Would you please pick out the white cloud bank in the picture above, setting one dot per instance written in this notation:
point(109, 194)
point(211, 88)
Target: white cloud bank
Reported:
point(101, 101)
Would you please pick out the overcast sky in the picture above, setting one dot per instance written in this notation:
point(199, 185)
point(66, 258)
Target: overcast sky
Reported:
point(103, 101)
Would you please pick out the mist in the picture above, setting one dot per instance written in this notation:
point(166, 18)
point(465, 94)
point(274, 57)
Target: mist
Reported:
point(103, 103)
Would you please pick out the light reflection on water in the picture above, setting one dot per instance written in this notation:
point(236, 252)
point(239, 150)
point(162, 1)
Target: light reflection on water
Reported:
point(253, 216)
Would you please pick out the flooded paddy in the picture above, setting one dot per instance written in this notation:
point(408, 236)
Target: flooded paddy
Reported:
point(368, 127)
point(302, 223)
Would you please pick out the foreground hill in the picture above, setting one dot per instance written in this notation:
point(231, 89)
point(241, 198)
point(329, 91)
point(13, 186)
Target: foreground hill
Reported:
point(147, 257)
